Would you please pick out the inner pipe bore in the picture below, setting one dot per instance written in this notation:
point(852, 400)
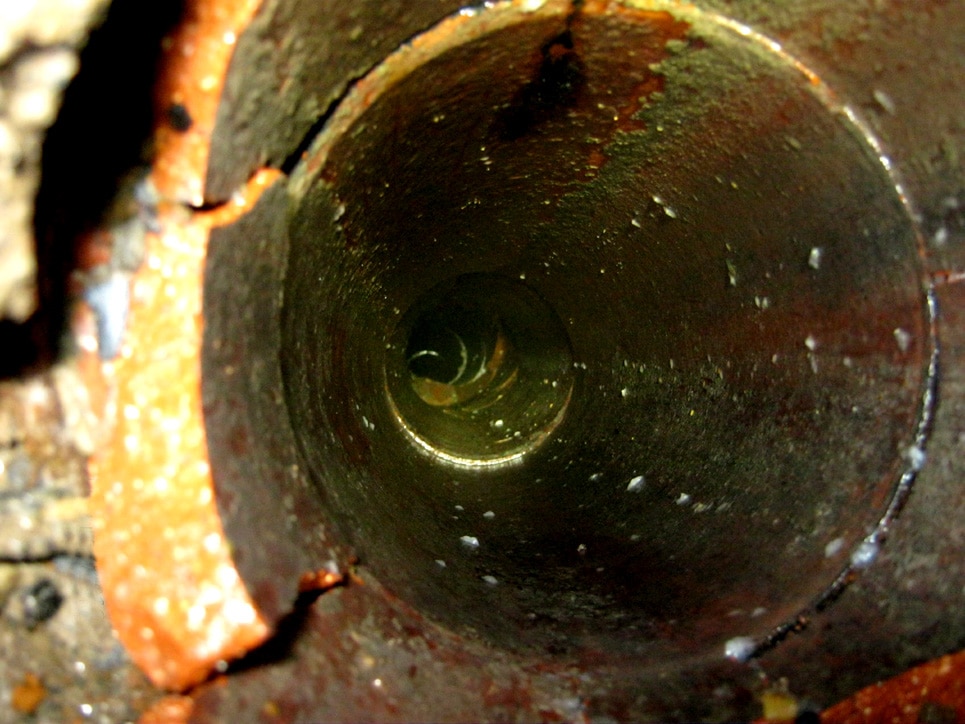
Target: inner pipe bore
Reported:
point(480, 371)
point(603, 329)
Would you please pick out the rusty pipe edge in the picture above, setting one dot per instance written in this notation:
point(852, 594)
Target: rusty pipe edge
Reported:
point(210, 519)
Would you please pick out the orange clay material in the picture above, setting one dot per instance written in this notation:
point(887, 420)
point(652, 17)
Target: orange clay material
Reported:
point(170, 585)
point(934, 691)
point(173, 594)
point(194, 64)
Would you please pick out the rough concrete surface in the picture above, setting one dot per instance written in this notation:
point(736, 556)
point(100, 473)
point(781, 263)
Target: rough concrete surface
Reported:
point(60, 660)
point(39, 41)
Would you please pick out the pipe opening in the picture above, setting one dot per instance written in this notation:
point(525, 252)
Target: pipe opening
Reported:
point(480, 370)
point(683, 300)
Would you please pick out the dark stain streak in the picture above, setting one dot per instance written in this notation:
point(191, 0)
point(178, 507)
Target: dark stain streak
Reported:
point(559, 81)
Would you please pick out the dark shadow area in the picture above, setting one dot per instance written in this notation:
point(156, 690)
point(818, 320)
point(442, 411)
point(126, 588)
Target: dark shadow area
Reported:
point(279, 647)
point(100, 134)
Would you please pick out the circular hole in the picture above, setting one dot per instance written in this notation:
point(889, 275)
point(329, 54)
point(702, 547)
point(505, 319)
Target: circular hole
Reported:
point(479, 371)
point(663, 214)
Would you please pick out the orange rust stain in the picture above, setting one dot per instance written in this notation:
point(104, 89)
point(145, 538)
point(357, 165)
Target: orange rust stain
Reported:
point(170, 585)
point(94, 249)
point(931, 692)
point(28, 695)
point(320, 580)
point(195, 60)
point(169, 710)
point(947, 276)
point(666, 23)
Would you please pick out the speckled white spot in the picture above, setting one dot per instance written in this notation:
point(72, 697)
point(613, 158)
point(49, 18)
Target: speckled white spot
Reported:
point(196, 616)
point(833, 547)
point(902, 339)
point(239, 612)
point(212, 542)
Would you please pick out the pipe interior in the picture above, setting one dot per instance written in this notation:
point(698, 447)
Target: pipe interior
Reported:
point(704, 283)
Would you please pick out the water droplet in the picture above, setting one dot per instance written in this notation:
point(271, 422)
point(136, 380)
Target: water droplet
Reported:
point(814, 257)
point(489, 515)
point(441, 563)
point(915, 457)
point(683, 499)
point(885, 101)
point(810, 342)
point(833, 548)
point(740, 648)
point(491, 580)
point(813, 360)
point(866, 553)
point(636, 484)
point(470, 541)
point(903, 339)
